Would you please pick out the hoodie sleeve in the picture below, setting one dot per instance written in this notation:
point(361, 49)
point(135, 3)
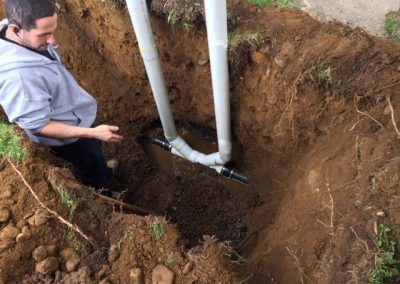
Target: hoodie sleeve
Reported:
point(26, 101)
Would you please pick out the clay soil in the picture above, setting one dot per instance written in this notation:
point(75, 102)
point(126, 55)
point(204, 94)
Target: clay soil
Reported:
point(314, 111)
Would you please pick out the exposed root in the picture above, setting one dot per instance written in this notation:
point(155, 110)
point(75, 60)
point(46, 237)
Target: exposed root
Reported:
point(366, 114)
point(331, 207)
point(361, 240)
point(297, 263)
point(61, 219)
point(392, 115)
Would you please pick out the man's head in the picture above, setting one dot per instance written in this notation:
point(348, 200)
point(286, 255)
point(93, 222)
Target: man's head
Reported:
point(33, 22)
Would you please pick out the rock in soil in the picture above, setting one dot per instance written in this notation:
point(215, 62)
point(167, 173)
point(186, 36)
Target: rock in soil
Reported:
point(39, 253)
point(162, 275)
point(4, 215)
point(136, 276)
point(6, 244)
point(9, 232)
point(47, 266)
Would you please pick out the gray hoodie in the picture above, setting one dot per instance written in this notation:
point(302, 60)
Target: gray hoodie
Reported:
point(35, 90)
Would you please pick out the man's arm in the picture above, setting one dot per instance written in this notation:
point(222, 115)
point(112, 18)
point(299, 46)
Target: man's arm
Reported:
point(59, 130)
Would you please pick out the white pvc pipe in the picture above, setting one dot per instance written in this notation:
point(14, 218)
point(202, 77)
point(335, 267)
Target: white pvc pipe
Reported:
point(218, 42)
point(148, 49)
point(217, 33)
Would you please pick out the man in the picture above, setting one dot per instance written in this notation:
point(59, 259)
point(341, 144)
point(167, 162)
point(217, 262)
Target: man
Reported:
point(41, 96)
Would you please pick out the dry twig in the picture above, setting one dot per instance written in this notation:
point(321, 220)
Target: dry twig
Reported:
point(331, 207)
point(361, 240)
point(366, 114)
point(297, 263)
point(61, 219)
point(392, 115)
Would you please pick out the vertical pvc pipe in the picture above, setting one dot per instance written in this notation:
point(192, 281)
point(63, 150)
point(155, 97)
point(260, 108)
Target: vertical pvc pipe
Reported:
point(148, 49)
point(217, 33)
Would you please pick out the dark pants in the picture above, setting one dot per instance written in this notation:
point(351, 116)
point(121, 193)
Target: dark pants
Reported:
point(89, 164)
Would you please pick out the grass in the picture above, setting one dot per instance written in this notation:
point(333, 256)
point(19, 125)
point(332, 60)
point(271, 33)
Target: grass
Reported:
point(261, 3)
point(157, 230)
point(9, 143)
point(173, 17)
point(392, 25)
point(170, 260)
point(233, 255)
point(279, 3)
point(286, 3)
point(385, 261)
point(69, 202)
point(253, 39)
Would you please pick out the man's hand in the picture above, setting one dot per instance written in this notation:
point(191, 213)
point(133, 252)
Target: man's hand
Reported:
point(59, 130)
point(106, 133)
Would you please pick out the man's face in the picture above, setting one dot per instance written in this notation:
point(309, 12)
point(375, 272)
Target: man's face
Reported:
point(41, 36)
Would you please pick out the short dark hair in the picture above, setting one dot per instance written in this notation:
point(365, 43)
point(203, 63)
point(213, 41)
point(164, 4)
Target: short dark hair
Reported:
point(26, 12)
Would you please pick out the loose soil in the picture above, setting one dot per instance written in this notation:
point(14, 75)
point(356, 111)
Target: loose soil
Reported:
point(312, 129)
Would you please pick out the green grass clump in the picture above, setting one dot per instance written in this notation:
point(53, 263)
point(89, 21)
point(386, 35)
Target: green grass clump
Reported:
point(385, 261)
point(233, 255)
point(9, 143)
point(261, 3)
point(286, 3)
point(392, 25)
point(157, 230)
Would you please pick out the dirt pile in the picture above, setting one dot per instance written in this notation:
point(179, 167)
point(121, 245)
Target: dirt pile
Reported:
point(314, 112)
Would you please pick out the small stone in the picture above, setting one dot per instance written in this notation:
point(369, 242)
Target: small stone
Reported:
point(188, 267)
point(136, 276)
point(105, 270)
point(6, 244)
point(68, 254)
point(281, 62)
point(52, 250)
point(257, 57)
point(4, 215)
point(113, 253)
point(29, 215)
point(203, 62)
point(39, 253)
point(142, 232)
point(22, 237)
point(162, 275)
point(22, 224)
point(41, 217)
point(104, 281)
point(381, 213)
point(9, 232)
point(297, 38)
point(47, 266)
point(72, 264)
point(25, 230)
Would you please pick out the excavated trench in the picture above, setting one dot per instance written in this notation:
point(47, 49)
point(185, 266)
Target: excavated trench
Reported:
point(311, 125)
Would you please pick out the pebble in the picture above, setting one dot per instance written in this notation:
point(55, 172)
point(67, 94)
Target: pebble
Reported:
point(68, 254)
point(142, 232)
point(381, 213)
point(41, 217)
point(136, 276)
point(4, 215)
point(203, 62)
point(9, 232)
point(105, 270)
point(39, 253)
point(22, 224)
point(162, 275)
point(22, 237)
point(188, 267)
point(6, 244)
point(72, 264)
point(52, 250)
point(113, 253)
point(47, 266)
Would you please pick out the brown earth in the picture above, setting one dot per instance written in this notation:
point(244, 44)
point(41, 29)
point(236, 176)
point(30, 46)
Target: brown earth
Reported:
point(312, 129)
